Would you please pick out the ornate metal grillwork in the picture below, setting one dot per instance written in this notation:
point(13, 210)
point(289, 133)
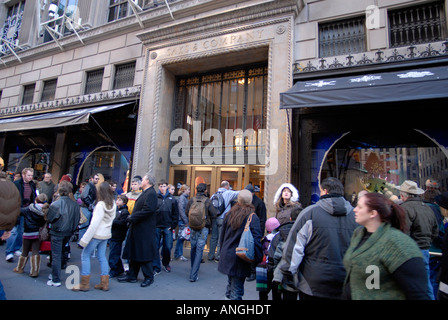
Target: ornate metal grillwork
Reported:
point(28, 93)
point(94, 81)
point(11, 28)
point(342, 37)
point(124, 75)
point(417, 24)
point(49, 90)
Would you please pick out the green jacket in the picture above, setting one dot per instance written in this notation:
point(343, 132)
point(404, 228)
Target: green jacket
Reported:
point(383, 253)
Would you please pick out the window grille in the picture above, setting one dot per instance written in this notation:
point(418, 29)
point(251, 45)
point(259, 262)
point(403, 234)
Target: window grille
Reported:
point(49, 90)
point(28, 94)
point(417, 24)
point(342, 37)
point(124, 75)
point(94, 81)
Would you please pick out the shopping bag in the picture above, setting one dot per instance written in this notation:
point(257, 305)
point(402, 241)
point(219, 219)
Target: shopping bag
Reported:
point(185, 234)
point(246, 246)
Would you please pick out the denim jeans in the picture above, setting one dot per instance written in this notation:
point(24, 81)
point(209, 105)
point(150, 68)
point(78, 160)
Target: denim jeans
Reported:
point(179, 249)
point(198, 239)
point(57, 256)
point(2, 292)
point(426, 259)
point(115, 262)
point(214, 239)
point(101, 246)
point(235, 288)
point(14, 242)
point(83, 228)
point(164, 240)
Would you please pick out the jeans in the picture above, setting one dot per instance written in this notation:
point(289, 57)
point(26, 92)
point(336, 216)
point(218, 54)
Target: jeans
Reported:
point(179, 250)
point(198, 239)
point(2, 292)
point(235, 288)
point(164, 240)
point(57, 257)
point(83, 228)
point(214, 239)
point(14, 242)
point(101, 246)
point(426, 259)
point(115, 262)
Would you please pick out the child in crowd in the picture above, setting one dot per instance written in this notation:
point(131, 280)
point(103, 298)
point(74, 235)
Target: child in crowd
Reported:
point(119, 230)
point(33, 221)
point(275, 255)
point(264, 279)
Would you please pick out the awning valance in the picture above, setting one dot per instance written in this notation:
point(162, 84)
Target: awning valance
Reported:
point(416, 84)
point(54, 119)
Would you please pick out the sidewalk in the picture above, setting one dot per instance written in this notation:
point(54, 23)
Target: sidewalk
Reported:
point(167, 286)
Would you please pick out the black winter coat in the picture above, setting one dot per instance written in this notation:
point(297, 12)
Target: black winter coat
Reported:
point(229, 263)
point(33, 218)
point(120, 224)
point(141, 244)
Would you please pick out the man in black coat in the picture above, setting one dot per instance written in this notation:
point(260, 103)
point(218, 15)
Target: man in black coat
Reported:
point(141, 245)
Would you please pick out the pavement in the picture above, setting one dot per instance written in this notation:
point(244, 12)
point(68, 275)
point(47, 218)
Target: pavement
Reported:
point(167, 286)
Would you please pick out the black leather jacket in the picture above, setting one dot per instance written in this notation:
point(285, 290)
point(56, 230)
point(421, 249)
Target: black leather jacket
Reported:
point(63, 215)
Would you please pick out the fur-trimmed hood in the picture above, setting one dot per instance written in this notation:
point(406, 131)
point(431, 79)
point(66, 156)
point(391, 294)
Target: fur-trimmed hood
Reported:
point(295, 193)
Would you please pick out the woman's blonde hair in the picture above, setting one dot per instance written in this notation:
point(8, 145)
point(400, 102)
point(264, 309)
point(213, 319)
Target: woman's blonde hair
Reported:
point(182, 189)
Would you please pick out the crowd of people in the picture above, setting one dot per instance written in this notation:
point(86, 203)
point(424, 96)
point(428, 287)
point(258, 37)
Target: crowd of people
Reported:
point(378, 249)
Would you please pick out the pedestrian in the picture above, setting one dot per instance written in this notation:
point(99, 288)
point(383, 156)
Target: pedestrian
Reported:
point(260, 211)
point(119, 231)
point(96, 237)
point(225, 198)
point(9, 210)
point(88, 197)
point(233, 226)
point(47, 186)
point(184, 193)
point(316, 244)
point(199, 208)
point(442, 201)
point(141, 242)
point(63, 215)
point(27, 190)
point(286, 199)
point(136, 191)
point(274, 256)
point(382, 262)
point(167, 218)
point(421, 222)
point(33, 220)
point(264, 280)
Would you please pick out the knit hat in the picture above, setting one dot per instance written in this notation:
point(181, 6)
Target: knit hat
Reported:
point(442, 200)
point(250, 187)
point(244, 197)
point(272, 224)
point(65, 178)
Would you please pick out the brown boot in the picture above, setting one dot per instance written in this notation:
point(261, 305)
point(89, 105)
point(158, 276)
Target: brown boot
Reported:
point(104, 285)
point(21, 264)
point(35, 266)
point(84, 285)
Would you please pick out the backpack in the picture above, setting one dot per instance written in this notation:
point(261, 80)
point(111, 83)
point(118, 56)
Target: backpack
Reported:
point(218, 202)
point(197, 217)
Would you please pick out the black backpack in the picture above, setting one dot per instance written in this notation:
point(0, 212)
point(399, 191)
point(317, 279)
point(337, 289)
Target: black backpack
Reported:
point(218, 202)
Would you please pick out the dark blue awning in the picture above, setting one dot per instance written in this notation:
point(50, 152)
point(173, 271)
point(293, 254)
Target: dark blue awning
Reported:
point(416, 84)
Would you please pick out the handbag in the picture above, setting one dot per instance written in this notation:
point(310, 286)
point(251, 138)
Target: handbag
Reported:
point(246, 246)
point(43, 233)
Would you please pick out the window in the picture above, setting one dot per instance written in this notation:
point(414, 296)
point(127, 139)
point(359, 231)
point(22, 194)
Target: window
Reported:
point(124, 75)
point(56, 12)
point(121, 9)
point(417, 24)
point(49, 90)
point(94, 81)
point(11, 28)
point(233, 100)
point(28, 94)
point(342, 37)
